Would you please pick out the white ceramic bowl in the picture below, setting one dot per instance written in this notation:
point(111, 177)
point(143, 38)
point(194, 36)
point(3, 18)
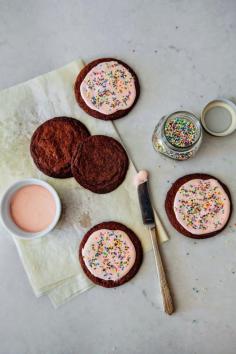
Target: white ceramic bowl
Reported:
point(5, 209)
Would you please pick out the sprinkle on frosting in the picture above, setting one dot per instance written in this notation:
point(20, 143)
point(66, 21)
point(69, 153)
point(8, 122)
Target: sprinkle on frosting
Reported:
point(108, 87)
point(180, 132)
point(202, 206)
point(109, 254)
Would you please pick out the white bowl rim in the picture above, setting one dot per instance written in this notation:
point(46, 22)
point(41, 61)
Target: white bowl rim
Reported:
point(10, 226)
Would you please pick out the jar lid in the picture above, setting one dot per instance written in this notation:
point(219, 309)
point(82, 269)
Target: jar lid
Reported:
point(219, 117)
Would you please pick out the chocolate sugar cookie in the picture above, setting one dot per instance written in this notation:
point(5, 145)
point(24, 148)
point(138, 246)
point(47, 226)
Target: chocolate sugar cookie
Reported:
point(53, 144)
point(100, 164)
point(198, 205)
point(107, 89)
point(110, 254)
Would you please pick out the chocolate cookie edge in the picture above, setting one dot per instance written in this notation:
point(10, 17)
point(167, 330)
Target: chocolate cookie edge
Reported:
point(113, 225)
point(169, 203)
point(94, 113)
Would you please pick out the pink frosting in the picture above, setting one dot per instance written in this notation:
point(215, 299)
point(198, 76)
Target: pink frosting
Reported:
point(109, 254)
point(32, 208)
point(202, 206)
point(108, 87)
point(140, 177)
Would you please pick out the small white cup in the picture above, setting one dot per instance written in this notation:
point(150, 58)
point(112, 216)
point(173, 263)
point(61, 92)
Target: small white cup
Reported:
point(6, 218)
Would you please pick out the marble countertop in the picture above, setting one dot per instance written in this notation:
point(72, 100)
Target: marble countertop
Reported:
point(184, 54)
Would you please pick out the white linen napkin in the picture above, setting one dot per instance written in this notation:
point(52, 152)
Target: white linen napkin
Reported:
point(51, 262)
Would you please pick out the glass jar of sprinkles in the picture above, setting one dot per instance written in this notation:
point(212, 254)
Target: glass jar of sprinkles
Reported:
point(178, 135)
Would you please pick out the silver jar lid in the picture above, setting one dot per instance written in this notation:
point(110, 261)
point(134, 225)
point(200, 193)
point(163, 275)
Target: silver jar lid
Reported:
point(218, 117)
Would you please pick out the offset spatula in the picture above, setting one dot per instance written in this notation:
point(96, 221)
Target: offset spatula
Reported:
point(149, 221)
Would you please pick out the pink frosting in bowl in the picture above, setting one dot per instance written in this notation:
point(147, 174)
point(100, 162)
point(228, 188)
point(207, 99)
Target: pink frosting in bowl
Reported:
point(30, 208)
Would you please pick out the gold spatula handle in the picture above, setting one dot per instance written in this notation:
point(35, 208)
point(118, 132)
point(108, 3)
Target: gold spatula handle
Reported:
point(165, 290)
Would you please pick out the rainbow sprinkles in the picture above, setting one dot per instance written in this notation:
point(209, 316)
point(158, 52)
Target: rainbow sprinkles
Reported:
point(108, 87)
point(109, 254)
point(202, 206)
point(180, 132)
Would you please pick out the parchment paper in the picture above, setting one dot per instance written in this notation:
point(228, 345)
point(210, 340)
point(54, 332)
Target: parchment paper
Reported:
point(51, 263)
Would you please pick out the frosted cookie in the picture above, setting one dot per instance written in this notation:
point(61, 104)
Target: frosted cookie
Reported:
point(107, 89)
point(198, 205)
point(110, 254)
point(53, 144)
point(100, 164)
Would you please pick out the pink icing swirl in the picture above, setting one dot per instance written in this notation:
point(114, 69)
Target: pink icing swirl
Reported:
point(109, 254)
point(108, 87)
point(202, 206)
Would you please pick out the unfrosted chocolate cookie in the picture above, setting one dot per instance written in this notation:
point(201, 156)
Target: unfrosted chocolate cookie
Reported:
point(198, 205)
point(100, 164)
point(110, 254)
point(107, 89)
point(53, 144)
